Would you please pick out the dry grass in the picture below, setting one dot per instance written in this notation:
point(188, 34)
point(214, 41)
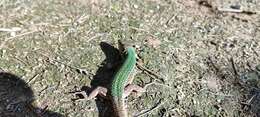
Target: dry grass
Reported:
point(193, 60)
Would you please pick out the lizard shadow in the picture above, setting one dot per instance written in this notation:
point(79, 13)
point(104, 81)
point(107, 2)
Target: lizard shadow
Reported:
point(16, 98)
point(103, 77)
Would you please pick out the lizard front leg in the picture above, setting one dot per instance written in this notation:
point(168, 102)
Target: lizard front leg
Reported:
point(97, 91)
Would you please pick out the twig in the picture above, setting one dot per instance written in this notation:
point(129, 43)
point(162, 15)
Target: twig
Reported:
point(31, 79)
point(156, 106)
point(14, 29)
point(20, 60)
point(20, 35)
point(233, 66)
point(230, 10)
point(43, 89)
point(142, 30)
point(147, 70)
point(156, 83)
point(17, 36)
point(235, 71)
point(81, 71)
point(248, 102)
point(96, 36)
point(255, 52)
point(35, 76)
point(234, 10)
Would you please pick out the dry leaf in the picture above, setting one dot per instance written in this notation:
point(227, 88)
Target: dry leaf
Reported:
point(153, 42)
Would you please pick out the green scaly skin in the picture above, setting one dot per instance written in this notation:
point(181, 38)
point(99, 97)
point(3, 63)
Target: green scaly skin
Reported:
point(120, 81)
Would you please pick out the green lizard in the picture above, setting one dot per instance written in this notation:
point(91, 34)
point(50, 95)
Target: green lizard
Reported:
point(121, 85)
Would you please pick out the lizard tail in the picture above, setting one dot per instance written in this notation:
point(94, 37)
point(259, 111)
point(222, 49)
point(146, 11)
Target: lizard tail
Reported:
point(120, 109)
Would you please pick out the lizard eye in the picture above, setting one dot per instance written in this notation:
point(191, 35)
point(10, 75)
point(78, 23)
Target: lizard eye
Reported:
point(136, 47)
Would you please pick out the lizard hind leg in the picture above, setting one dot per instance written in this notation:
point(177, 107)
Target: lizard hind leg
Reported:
point(133, 88)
